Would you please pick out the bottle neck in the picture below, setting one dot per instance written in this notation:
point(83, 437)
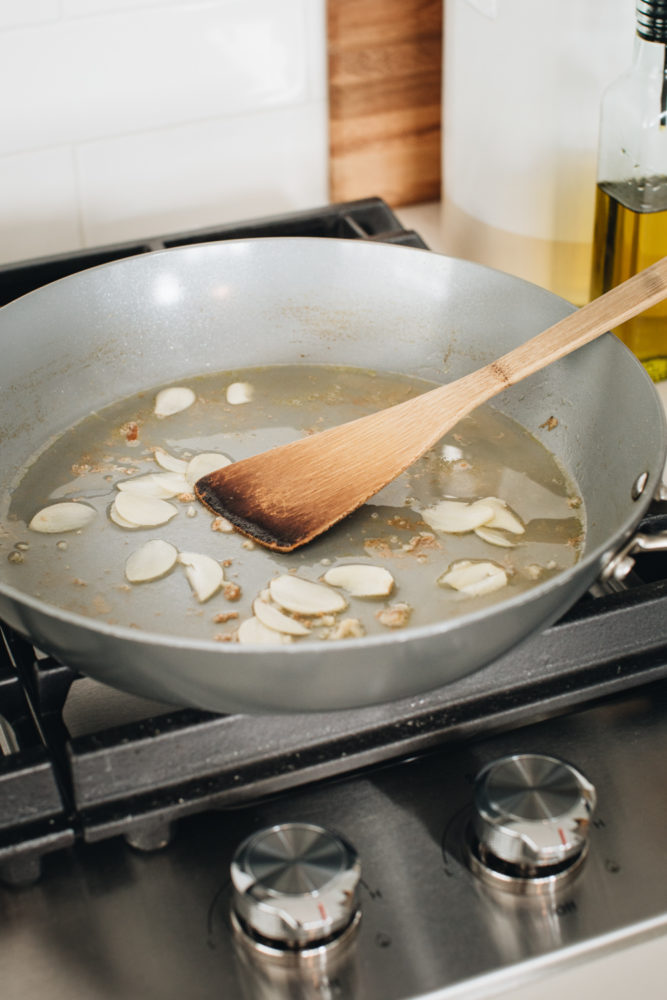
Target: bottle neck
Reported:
point(650, 62)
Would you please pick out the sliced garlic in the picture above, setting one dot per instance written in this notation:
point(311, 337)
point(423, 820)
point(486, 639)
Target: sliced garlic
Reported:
point(59, 517)
point(143, 512)
point(121, 521)
point(252, 631)
point(503, 517)
point(169, 462)
point(270, 616)
point(494, 537)
point(154, 559)
point(155, 484)
point(361, 580)
point(304, 597)
point(457, 516)
point(204, 574)
point(202, 464)
point(474, 578)
point(239, 392)
point(173, 400)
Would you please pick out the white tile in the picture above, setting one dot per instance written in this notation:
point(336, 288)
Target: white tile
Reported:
point(15, 13)
point(85, 8)
point(38, 206)
point(90, 77)
point(316, 48)
point(203, 174)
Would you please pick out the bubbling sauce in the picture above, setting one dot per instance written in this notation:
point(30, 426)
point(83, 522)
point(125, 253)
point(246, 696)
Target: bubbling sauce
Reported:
point(486, 454)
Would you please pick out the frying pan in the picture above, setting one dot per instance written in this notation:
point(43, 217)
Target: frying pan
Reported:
point(100, 335)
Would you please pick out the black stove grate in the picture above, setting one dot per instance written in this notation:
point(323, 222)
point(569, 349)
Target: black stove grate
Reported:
point(366, 219)
point(138, 778)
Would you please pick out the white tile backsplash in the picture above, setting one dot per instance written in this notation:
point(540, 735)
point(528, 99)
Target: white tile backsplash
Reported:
point(14, 13)
point(159, 116)
point(210, 172)
point(39, 212)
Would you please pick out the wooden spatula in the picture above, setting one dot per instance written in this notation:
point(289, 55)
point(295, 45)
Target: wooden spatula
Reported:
point(289, 495)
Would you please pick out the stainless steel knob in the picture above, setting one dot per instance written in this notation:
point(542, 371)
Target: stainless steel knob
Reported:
point(532, 814)
point(295, 886)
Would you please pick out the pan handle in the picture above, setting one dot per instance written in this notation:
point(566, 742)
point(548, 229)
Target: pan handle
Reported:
point(623, 562)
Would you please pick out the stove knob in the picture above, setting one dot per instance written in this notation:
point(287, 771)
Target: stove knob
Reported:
point(295, 887)
point(532, 815)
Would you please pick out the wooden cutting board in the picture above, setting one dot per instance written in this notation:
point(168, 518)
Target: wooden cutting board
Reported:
point(385, 73)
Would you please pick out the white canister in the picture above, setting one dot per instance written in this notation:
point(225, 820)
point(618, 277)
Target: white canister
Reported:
point(522, 84)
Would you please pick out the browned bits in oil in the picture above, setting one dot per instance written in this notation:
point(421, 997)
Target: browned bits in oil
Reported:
point(549, 424)
point(221, 524)
point(395, 616)
point(574, 502)
point(224, 637)
point(400, 523)
point(100, 605)
point(231, 591)
point(15, 557)
point(378, 548)
point(225, 616)
point(130, 431)
point(425, 540)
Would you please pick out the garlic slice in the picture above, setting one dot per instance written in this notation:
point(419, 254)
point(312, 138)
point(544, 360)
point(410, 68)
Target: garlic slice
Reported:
point(457, 516)
point(60, 517)
point(494, 537)
point(239, 392)
point(503, 517)
point(173, 400)
point(204, 574)
point(361, 580)
point(202, 464)
point(169, 462)
point(155, 484)
point(274, 619)
point(121, 521)
point(474, 578)
point(154, 559)
point(252, 631)
point(304, 597)
point(143, 512)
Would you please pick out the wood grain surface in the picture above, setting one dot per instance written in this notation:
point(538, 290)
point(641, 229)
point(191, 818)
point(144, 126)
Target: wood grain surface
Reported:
point(385, 73)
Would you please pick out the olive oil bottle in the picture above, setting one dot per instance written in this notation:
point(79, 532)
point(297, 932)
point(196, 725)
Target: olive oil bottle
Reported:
point(630, 229)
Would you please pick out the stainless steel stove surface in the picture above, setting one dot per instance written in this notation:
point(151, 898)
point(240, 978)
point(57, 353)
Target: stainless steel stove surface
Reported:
point(457, 844)
point(105, 921)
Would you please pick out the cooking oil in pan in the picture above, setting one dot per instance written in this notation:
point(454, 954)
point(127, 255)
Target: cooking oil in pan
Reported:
point(487, 454)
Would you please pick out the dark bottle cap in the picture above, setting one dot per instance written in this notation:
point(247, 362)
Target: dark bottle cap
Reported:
point(652, 20)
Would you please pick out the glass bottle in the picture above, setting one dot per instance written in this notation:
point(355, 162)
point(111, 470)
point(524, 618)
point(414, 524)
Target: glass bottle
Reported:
point(630, 230)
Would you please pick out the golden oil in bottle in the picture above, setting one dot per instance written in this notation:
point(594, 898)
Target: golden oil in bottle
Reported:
point(630, 233)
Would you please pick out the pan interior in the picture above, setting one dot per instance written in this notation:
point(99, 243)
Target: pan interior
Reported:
point(487, 454)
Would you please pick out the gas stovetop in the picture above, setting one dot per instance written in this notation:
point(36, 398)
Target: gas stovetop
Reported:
point(80, 765)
